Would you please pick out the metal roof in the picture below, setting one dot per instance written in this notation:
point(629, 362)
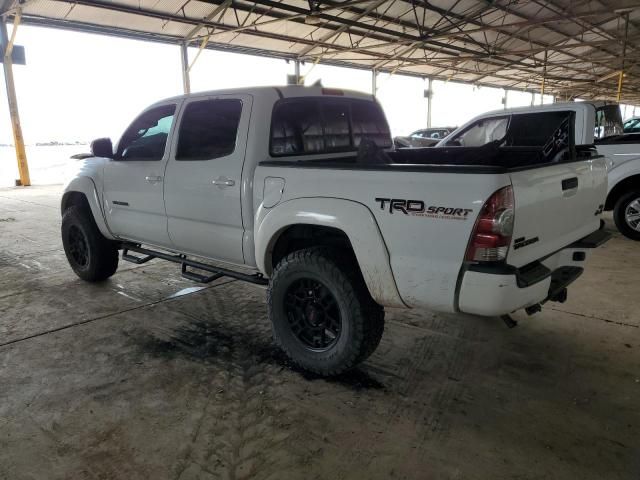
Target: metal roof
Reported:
point(576, 46)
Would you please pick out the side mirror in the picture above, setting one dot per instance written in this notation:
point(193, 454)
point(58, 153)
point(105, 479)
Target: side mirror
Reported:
point(102, 147)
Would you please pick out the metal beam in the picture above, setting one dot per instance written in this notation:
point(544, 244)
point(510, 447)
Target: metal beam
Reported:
point(18, 140)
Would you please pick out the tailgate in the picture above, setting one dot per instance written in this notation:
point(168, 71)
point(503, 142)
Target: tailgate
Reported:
point(555, 206)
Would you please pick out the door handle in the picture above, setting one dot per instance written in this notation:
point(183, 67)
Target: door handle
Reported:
point(153, 178)
point(224, 182)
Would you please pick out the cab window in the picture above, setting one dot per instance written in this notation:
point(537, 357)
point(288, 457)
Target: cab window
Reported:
point(146, 137)
point(608, 122)
point(302, 126)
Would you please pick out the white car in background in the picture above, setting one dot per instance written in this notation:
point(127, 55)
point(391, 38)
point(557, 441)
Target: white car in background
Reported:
point(426, 137)
point(621, 149)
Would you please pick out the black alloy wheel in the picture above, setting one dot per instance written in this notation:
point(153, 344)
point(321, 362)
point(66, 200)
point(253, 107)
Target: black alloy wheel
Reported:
point(313, 314)
point(322, 314)
point(78, 246)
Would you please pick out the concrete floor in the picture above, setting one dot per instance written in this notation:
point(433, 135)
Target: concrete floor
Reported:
point(146, 376)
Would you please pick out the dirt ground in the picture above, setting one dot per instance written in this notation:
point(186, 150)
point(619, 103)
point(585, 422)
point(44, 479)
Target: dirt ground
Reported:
point(147, 376)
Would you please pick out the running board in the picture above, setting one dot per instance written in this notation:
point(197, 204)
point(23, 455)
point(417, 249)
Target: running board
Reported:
point(185, 262)
point(134, 259)
point(196, 277)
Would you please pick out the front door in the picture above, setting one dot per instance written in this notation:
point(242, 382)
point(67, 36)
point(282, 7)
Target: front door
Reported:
point(133, 179)
point(203, 181)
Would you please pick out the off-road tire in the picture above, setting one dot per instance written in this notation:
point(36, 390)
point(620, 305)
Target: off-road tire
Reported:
point(619, 214)
point(362, 319)
point(100, 254)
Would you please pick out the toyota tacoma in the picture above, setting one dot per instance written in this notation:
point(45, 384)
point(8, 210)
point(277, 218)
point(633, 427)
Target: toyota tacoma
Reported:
point(300, 190)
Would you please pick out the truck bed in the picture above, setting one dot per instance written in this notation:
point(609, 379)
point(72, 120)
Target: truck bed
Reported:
point(486, 159)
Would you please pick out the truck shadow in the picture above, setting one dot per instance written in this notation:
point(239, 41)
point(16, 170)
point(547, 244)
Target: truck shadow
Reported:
point(223, 344)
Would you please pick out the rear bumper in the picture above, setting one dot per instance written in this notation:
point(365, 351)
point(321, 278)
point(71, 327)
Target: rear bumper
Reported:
point(501, 289)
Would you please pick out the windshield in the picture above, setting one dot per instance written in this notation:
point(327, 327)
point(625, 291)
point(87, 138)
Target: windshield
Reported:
point(486, 130)
point(632, 125)
point(608, 122)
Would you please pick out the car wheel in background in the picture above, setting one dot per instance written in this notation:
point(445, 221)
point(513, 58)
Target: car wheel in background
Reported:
point(626, 214)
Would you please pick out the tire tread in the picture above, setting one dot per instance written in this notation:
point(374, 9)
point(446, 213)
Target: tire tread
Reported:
point(367, 316)
point(104, 252)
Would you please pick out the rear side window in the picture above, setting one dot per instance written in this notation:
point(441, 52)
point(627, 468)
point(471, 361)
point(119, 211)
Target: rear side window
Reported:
point(209, 129)
point(311, 125)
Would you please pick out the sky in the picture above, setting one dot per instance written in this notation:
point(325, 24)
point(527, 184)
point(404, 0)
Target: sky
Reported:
point(79, 86)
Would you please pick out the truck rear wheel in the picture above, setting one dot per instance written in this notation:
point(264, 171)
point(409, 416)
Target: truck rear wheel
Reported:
point(626, 214)
point(92, 257)
point(322, 314)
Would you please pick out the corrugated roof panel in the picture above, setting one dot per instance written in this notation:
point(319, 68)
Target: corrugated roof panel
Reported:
point(493, 43)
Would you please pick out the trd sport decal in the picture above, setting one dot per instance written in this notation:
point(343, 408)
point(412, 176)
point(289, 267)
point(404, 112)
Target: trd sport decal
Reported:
point(418, 209)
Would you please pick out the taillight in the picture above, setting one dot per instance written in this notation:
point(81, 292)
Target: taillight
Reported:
point(492, 232)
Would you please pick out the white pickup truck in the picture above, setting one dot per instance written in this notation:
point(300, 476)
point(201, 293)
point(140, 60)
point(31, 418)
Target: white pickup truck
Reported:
point(622, 152)
point(298, 188)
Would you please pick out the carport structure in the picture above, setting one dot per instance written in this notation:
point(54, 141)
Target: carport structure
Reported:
point(576, 49)
point(569, 49)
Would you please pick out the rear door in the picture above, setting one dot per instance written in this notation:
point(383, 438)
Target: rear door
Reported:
point(203, 179)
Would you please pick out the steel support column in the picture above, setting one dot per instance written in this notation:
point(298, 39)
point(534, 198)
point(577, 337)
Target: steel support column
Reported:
point(544, 78)
point(18, 140)
point(624, 54)
point(429, 100)
point(184, 56)
point(374, 82)
point(296, 72)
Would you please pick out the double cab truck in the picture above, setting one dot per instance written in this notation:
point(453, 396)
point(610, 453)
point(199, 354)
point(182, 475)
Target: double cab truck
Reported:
point(299, 189)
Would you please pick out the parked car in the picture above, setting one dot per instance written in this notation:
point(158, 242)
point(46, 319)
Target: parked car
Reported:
point(632, 125)
point(298, 189)
point(622, 151)
point(427, 137)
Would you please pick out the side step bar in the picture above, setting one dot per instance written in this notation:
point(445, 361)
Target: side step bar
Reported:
point(185, 262)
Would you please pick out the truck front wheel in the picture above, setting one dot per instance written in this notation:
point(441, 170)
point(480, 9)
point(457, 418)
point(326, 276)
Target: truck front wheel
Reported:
point(92, 256)
point(626, 214)
point(322, 314)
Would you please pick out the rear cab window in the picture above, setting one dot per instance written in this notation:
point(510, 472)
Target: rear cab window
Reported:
point(317, 125)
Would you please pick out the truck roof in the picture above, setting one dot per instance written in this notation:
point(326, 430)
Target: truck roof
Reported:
point(549, 107)
point(286, 91)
